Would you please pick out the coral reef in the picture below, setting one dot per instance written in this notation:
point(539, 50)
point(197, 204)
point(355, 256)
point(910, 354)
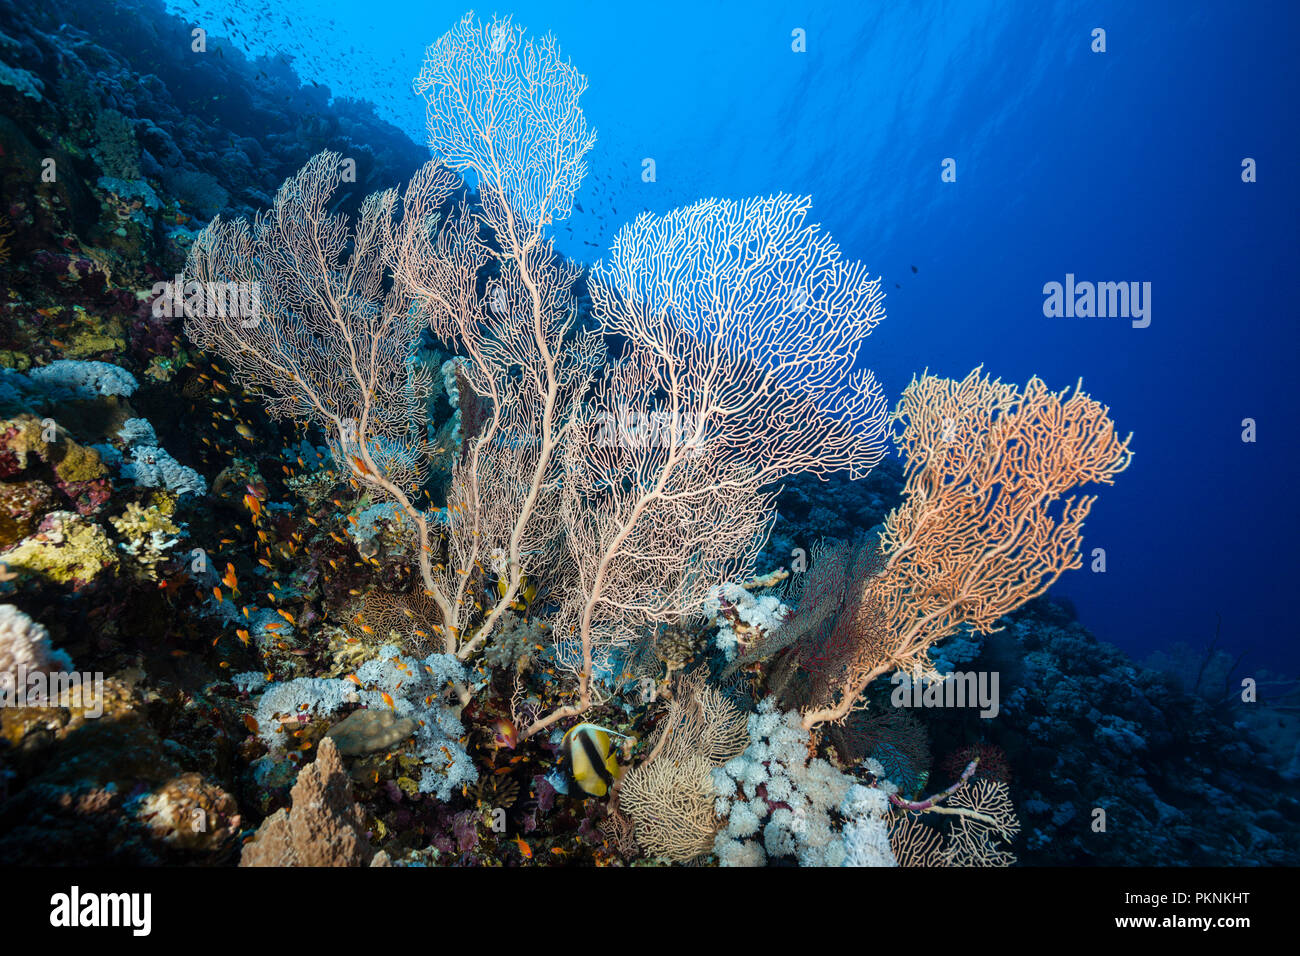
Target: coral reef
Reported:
point(345, 615)
point(413, 689)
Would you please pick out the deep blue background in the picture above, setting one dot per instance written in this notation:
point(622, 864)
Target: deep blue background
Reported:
point(1117, 166)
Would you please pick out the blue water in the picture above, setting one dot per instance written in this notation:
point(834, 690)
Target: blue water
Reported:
point(1115, 166)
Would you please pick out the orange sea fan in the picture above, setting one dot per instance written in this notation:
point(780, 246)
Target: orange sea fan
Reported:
point(989, 518)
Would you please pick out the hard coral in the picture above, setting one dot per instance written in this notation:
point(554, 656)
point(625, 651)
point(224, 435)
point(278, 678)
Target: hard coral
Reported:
point(85, 379)
point(188, 813)
point(148, 534)
point(75, 463)
point(324, 827)
point(24, 642)
point(21, 505)
point(66, 549)
point(78, 470)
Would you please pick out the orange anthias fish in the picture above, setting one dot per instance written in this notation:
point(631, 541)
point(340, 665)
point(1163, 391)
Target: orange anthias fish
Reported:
point(524, 848)
point(230, 580)
point(504, 734)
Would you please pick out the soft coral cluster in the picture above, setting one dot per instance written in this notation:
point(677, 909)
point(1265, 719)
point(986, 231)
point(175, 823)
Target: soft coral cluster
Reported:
point(781, 801)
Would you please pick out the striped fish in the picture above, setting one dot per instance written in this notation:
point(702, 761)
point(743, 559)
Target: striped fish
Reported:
point(592, 762)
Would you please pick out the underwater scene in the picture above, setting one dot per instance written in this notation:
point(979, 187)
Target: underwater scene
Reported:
point(679, 435)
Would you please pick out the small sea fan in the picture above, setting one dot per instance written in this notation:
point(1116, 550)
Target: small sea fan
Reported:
point(411, 616)
point(497, 792)
point(993, 763)
point(894, 737)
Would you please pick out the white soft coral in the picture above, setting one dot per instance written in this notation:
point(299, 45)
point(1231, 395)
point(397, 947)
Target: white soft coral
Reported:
point(741, 617)
point(808, 809)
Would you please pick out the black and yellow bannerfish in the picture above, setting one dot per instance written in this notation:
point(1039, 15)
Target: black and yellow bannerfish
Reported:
point(525, 596)
point(592, 762)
